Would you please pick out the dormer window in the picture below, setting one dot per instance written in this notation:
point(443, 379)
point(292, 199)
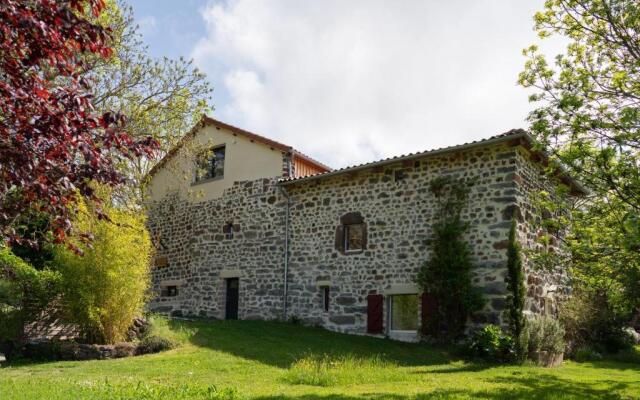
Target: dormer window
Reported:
point(210, 164)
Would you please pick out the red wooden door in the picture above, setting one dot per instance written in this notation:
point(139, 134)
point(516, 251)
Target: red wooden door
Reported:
point(375, 313)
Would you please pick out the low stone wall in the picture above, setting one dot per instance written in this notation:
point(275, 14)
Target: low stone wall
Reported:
point(72, 351)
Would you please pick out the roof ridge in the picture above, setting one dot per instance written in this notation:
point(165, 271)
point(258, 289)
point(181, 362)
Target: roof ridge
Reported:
point(511, 134)
point(252, 136)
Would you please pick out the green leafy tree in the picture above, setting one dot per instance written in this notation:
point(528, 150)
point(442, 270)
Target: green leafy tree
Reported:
point(516, 288)
point(588, 117)
point(105, 288)
point(447, 274)
point(589, 112)
point(161, 98)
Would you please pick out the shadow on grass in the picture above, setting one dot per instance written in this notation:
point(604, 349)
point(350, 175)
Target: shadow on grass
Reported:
point(623, 360)
point(539, 387)
point(280, 344)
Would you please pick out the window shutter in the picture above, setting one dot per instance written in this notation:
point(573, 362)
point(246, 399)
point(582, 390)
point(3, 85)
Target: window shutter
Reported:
point(374, 313)
point(429, 310)
point(364, 236)
point(340, 238)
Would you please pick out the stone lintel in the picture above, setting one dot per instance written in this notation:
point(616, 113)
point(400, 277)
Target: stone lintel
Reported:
point(408, 288)
point(172, 282)
point(323, 283)
point(230, 273)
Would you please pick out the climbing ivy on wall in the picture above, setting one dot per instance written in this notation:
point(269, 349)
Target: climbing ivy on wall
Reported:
point(446, 276)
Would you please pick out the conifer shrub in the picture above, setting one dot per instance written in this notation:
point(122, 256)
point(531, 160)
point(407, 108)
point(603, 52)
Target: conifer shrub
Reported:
point(517, 292)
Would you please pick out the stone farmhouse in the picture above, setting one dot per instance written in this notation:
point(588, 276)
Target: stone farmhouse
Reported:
point(249, 228)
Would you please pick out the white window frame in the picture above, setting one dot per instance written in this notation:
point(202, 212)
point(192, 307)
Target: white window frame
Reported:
point(390, 314)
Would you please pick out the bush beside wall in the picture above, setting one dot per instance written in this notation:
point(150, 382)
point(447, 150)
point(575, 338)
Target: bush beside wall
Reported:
point(104, 289)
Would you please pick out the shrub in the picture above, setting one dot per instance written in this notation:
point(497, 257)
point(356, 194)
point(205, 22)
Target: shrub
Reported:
point(545, 334)
point(155, 344)
point(43, 351)
point(584, 353)
point(590, 320)
point(491, 344)
point(104, 289)
point(24, 294)
point(124, 349)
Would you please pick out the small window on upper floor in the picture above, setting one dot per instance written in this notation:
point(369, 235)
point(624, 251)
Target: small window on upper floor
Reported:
point(210, 164)
point(399, 175)
point(351, 234)
point(353, 237)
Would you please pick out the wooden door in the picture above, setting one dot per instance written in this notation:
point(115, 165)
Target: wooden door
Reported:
point(233, 294)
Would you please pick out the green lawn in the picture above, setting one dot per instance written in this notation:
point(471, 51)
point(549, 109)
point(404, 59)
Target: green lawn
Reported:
point(269, 360)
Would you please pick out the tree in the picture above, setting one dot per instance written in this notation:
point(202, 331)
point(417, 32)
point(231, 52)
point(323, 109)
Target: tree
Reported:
point(589, 110)
point(52, 142)
point(588, 116)
point(160, 98)
point(516, 288)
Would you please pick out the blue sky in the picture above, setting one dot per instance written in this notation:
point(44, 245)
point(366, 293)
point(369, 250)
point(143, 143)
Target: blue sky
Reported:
point(350, 82)
point(170, 27)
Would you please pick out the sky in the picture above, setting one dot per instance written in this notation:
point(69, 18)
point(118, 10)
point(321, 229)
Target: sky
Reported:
point(348, 82)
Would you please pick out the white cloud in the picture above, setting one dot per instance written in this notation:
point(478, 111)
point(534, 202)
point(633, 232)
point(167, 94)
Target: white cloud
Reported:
point(349, 82)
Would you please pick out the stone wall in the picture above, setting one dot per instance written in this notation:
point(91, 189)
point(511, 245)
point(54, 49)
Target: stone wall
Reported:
point(399, 214)
point(544, 286)
point(196, 256)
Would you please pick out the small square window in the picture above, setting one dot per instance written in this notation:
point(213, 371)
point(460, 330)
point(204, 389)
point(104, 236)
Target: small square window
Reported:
point(169, 291)
point(353, 237)
point(228, 231)
point(210, 164)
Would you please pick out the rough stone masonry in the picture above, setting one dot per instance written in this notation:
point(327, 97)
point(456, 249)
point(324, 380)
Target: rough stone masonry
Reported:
point(244, 234)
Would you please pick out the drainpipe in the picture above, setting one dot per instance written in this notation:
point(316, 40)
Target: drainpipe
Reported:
point(286, 251)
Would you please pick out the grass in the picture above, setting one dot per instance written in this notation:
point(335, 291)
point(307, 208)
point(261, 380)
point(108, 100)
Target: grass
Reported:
point(327, 370)
point(271, 360)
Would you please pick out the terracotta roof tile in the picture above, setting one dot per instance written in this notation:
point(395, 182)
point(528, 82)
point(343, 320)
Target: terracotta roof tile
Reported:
point(510, 135)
